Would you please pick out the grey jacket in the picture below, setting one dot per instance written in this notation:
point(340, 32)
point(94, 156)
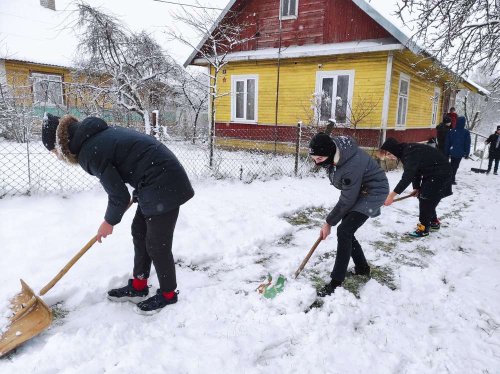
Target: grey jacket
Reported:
point(363, 184)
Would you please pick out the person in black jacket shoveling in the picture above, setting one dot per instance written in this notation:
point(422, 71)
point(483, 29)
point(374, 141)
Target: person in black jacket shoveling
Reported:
point(364, 187)
point(430, 173)
point(120, 156)
point(494, 154)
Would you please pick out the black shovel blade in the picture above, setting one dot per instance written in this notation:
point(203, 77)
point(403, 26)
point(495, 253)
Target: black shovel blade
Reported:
point(476, 170)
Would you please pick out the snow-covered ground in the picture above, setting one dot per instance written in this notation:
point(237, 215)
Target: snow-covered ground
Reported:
point(443, 315)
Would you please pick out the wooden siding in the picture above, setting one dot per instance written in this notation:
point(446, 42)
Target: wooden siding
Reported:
point(298, 84)
point(421, 92)
point(318, 22)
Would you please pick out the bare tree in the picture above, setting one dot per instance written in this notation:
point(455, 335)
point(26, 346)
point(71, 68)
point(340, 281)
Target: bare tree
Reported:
point(194, 88)
point(462, 34)
point(221, 38)
point(138, 70)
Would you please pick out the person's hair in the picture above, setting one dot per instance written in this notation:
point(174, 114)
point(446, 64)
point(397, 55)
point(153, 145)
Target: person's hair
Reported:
point(452, 109)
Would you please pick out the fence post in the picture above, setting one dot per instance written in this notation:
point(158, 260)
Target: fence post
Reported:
point(26, 138)
point(297, 146)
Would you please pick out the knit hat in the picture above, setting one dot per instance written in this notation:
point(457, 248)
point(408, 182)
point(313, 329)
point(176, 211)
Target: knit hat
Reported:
point(498, 127)
point(446, 119)
point(49, 129)
point(393, 146)
point(322, 145)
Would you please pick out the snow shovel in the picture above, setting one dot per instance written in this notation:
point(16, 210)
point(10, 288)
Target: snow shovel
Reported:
point(481, 171)
point(270, 291)
point(30, 315)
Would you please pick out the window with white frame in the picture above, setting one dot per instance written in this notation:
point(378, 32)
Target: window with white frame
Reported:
point(334, 95)
point(435, 106)
point(47, 89)
point(245, 90)
point(403, 93)
point(289, 8)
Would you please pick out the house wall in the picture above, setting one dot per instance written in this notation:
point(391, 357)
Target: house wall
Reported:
point(318, 22)
point(421, 92)
point(298, 84)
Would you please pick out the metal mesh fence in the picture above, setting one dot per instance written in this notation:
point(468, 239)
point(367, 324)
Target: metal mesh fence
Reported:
point(246, 154)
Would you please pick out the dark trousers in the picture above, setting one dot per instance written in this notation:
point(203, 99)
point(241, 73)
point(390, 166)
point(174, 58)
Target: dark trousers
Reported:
point(490, 163)
point(152, 237)
point(348, 246)
point(427, 209)
point(455, 162)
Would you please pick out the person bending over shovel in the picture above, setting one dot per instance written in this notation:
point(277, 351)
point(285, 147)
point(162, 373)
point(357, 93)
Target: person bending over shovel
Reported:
point(431, 175)
point(364, 187)
point(120, 156)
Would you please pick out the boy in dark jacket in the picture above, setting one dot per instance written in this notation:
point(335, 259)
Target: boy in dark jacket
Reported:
point(430, 173)
point(442, 131)
point(120, 156)
point(363, 186)
point(457, 145)
point(494, 153)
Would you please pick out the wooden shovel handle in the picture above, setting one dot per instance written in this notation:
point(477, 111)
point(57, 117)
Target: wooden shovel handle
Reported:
point(403, 197)
point(311, 251)
point(68, 266)
point(71, 262)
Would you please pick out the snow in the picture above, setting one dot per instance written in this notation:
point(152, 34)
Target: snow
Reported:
point(443, 316)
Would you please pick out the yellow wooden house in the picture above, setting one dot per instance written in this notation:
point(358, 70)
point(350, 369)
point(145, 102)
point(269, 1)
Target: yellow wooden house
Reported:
point(330, 61)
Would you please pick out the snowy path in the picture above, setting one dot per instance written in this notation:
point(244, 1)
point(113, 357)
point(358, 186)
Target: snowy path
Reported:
point(443, 316)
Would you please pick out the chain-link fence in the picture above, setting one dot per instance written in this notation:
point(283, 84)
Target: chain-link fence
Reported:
point(246, 153)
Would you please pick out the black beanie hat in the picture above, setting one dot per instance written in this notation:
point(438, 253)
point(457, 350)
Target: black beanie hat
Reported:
point(49, 129)
point(498, 127)
point(322, 145)
point(393, 146)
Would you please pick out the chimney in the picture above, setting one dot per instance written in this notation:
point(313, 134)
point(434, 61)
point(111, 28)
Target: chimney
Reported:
point(49, 4)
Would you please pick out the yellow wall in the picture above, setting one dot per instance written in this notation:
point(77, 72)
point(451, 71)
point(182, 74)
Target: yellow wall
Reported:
point(420, 94)
point(298, 83)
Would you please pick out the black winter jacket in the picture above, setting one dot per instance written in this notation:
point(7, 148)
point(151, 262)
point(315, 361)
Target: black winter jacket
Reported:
point(494, 150)
point(120, 156)
point(427, 169)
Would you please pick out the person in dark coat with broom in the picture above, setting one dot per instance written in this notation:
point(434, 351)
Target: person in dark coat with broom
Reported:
point(494, 153)
point(429, 171)
point(457, 146)
point(119, 156)
point(364, 187)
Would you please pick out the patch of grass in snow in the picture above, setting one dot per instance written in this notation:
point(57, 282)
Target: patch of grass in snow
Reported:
point(309, 217)
point(58, 312)
point(456, 213)
point(410, 261)
point(399, 237)
point(423, 250)
point(384, 246)
point(382, 275)
point(285, 240)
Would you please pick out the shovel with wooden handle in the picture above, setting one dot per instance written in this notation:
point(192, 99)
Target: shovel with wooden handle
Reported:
point(30, 315)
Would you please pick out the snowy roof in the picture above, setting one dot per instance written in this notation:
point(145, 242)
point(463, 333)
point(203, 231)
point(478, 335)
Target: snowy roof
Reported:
point(381, 11)
point(32, 33)
point(313, 50)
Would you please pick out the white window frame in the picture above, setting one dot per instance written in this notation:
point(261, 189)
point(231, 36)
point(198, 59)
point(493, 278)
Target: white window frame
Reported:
point(320, 75)
point(406, 78)
point(435, 106)
point(52, 78)
point(290, 16)
point(245, 78)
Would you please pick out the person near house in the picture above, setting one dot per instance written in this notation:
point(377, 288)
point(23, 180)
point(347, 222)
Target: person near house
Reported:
point(442, 132)
point(364, 187)
point(430, 173)
point(119, 156)
point(494, 152)
point(453, 115)
point(457, 146)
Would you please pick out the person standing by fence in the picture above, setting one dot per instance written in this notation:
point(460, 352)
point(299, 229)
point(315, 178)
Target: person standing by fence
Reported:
point(494, 153)
point(120, 156)
point(442, 131)
point(457, 145)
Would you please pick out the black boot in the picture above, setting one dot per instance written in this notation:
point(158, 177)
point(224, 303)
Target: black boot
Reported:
point(128, 293)
point(155, 304)
point(328, 288)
